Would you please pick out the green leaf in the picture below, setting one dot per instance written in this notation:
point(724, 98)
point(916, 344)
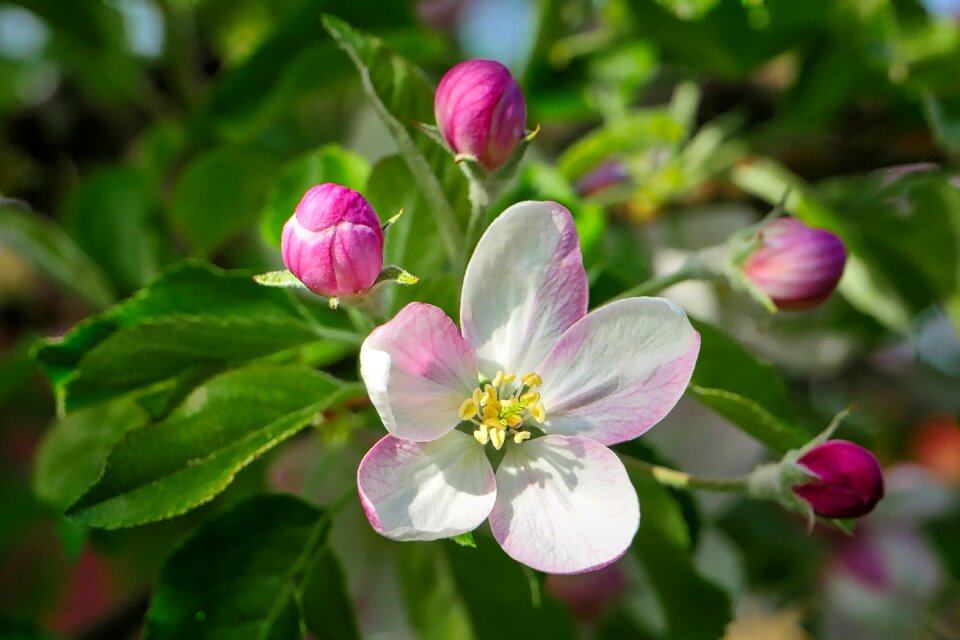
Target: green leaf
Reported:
point(191, 315)
point(745, 391)
point(465, 540)
point(663, 546)
point(53, 253)
point(241, 575)
point(411, 240)
point(219, 195)
point(113, 216)
point(488, 580)
point(73, 453)
point(327, 608)
point(283, 279)
point(165, 469)
point(330, 163)
point(401, 94)
point(944, 119)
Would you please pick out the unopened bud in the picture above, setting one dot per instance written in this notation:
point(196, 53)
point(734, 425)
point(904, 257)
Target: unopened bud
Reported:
point(797, 266)
point(480, 111)
point(333, 243)
point(848, 480)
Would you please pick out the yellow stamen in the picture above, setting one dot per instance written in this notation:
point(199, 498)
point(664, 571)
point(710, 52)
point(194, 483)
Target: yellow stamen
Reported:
point(491, 412)
point(482, 435)
point(489, 395)
point(530, 397)
point(509, 377)
point(520, 436)
point(492, 423)
point(538, 412)
point(468, 409)
point(497, 379)
point(477, 394)
point(497, 437)
point(531, 380)
point(513, 421)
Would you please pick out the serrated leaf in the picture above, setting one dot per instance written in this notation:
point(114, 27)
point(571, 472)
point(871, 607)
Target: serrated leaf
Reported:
point(73, 453)
point(745, 391)
point(52, 252)
point(330, 163)
point(401, 95)
point(164, 469)
point(191, 315)
point(241, 574)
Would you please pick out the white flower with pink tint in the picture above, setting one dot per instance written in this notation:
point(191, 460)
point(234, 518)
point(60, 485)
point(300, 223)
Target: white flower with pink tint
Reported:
point(532, 376)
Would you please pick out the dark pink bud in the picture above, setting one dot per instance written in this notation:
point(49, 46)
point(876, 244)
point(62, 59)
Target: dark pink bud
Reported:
point(480, 111)
point(796, 265)
point(333, 243)
point(849, 480)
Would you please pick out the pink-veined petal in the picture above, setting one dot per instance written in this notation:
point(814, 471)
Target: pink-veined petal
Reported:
point(619, 370)
point(564, 505)
point(426, 490)
point(418, 370)
point(524, 286)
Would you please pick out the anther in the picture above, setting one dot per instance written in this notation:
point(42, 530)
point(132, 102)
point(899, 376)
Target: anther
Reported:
point(468, 409)
point(520, 436)
point(531, 380)
point(538, 412)
point(497, 437)
point(482, 434)
point(530, 397)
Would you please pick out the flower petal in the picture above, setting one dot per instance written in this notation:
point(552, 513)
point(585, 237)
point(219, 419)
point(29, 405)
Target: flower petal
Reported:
point(418, 370)
point(524, 286)
point(564, 505)
point(426, 490)
point(619, 370)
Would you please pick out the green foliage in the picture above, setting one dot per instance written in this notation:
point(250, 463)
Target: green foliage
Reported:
point(170, 326)
point(401, 95)
point(166, 468)
point(330, 163)
point(54, 253)
point(242, 574)
point(745, 391)
point(220, 195)
point(664, 549)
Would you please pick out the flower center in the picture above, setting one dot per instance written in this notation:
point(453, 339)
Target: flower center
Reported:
point(498, 412)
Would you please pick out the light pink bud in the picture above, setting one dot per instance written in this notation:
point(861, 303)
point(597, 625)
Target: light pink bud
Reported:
point(333, 243)
point(796, 265)
point(480, 111)
point(849, 481)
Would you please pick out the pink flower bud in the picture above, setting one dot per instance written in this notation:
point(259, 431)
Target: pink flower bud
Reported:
point(333, 243)
point(849, 480)
point(796, 265)
point(480, 111)
point(588, 594)
point(608, 174)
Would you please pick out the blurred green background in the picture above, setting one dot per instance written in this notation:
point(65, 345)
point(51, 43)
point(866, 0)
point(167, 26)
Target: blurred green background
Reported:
point(134, 133)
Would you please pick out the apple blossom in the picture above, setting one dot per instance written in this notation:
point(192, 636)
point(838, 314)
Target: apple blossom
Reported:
point(480, 111)
point(533, 376)
point(333, 243)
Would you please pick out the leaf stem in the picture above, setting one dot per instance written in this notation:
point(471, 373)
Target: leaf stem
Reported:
point(657, 283)
point(682, 480)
